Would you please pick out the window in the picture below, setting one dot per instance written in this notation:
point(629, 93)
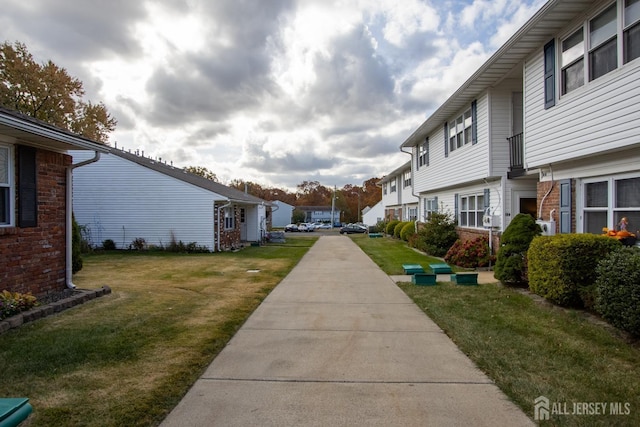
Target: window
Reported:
point(606, 202)
point(406, 182)
point(460, 131)
point(631, 30)
point(393, 185)
point(471, 210)
point(229, 218)
point(5, 185)
point(430, 206)
point(423, 153)
point(413, 214)
point(384, 188)
point(603, 56)
point(573, 62)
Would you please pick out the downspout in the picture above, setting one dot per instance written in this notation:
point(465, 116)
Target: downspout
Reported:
point(546, 195)
point(218, 222)
point(415, 223)
point(69, 214)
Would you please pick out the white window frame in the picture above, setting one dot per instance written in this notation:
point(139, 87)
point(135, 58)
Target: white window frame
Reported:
point(384, 188)
point(393, 185)
point(430, 206)
point(406, 181)
point(623, 25)
point(613, 213)
point(423, 153)
point(7, 183)
point(471, 206)
point(229, 218)
point(460, 130)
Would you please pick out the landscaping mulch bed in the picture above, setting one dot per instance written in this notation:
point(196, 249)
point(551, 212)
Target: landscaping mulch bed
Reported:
point(51, 304)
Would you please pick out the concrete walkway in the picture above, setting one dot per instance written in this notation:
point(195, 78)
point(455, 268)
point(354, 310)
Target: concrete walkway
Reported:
point(337, 343)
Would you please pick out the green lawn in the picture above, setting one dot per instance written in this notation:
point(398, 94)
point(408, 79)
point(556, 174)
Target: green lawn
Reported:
point(527, 346)
point(127, 359)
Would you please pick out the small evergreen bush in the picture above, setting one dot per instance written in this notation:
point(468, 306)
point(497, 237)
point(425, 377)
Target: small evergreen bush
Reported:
point(438, 234)
point(398, 228)
point(562, 267)
point(470, 253)
point(511, 261)
point(408, 230)
point(109, 245)
point(618, 289)
point(391, 226)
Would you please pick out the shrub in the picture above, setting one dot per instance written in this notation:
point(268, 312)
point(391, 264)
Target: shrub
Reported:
point(397, 229)
point(12, 303)
point(109, 245)
point(511, 261)
point(408, 230)
point(76, 247)
point(139, 244)
point(618, 289)
point(438, 234)
point(561, 267)
point(391, 226)
point(470, 253)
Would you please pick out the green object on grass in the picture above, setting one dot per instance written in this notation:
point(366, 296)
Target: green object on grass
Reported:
point(440, 268)
point(14, 410)
point(412, 268)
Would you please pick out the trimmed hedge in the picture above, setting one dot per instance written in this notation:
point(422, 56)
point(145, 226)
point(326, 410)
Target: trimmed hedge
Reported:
point(470, 253)
point(391, 226)
point(408, 230)
point(397, 229)
point(618, 289)
point(562, 268)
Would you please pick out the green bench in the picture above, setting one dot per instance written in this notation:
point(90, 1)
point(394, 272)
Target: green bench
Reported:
point(440, 268)
point(14, 410)
point(465, 278)
point(412, 268)
point(423, 279)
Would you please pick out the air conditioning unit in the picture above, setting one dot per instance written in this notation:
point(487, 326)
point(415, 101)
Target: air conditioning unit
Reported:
point(548, 227)
point(491, 221)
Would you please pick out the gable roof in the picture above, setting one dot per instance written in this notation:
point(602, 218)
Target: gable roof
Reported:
point(37, 133)
point(397, 172)
point(178, 173)
point(552, 17)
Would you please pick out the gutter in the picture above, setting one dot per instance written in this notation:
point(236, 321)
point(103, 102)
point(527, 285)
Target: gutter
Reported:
point(69, 213)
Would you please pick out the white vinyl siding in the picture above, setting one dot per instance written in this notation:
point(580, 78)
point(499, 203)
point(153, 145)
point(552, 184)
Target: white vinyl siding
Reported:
point(469, 163)
point(599, 117)
point(120, 200)
point(501, 124)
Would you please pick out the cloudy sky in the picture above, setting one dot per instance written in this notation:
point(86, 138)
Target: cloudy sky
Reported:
point(271, 91)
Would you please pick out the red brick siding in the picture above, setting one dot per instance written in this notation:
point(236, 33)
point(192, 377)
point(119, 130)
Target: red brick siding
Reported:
point(229, 239)
point(33, 259)
point(552, 201)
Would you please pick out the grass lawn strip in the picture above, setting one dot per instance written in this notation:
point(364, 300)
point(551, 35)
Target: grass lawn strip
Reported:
point(529, 349)
point(129, 357)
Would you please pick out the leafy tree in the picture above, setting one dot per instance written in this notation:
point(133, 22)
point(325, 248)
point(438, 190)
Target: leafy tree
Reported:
point(48, 93)
point(312, 193)
point(203, 172)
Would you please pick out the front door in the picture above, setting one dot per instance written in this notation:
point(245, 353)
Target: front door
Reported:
point(525, 202)
point(243, 224)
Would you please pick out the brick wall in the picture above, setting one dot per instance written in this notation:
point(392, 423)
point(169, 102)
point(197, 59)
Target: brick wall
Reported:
point(229, 239)
point(552, 201)
point(33, 259)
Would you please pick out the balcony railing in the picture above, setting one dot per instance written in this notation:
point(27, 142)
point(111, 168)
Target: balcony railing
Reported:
point(516, 155)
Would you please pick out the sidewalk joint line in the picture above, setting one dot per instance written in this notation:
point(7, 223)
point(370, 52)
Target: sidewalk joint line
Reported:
point(312, 381)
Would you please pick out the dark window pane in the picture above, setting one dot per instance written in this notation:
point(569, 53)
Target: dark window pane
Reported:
point(632, 43)
point(597, 195)
point(4, 205)
point(628, 193)
point(594, 222)
point(573, 76)
point(633, 220)
point(603, 59)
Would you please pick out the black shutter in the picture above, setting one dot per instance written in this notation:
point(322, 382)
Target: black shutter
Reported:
point(426, 151)
point(550, 74)
point(474, 122)
point(446, 140)
point(435, 202)
point(455, 207)
point(565, 206)
point(27, 188)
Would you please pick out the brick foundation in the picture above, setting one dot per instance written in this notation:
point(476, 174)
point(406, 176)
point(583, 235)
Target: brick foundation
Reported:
point(33, 258)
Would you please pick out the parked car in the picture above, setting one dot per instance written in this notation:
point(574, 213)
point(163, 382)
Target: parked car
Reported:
point(353, 228)
point(304, 226)
point(291, 227)
point(323, 226)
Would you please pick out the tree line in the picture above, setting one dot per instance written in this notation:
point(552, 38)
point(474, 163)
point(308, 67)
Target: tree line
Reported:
point(47, 92)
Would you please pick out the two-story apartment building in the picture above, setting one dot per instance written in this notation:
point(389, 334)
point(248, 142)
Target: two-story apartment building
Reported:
point(547, 126)
point(398, 198)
